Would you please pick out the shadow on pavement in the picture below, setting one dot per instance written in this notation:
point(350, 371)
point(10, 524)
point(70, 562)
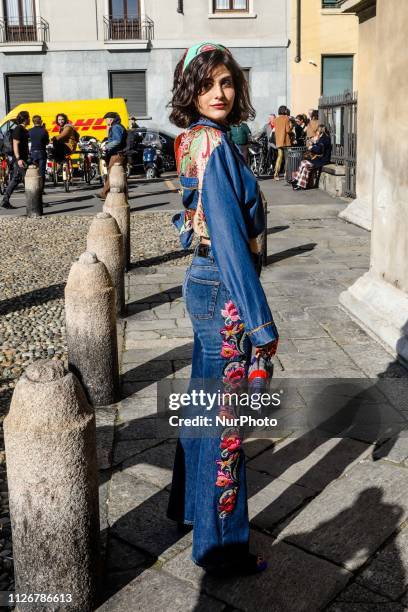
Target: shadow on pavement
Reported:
point(32, 298)
point(281, 255)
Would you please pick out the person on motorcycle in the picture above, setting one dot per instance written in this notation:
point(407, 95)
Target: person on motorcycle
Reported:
point(114, 147)
point(65, 143)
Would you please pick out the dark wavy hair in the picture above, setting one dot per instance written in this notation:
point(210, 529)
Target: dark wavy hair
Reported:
point(188, 85)
point(61, 115)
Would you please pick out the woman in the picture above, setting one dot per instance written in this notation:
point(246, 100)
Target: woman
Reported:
point(319, 154)
point(312, 127)
point(224, 298)
point(283, 129)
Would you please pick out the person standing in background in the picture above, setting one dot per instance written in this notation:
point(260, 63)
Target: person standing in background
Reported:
point(39, 140)
point(283, 129)
point(19, 139)
point(240, 135)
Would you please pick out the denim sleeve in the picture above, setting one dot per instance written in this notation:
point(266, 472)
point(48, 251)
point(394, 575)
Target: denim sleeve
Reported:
point(115, 138)
point(234, 213)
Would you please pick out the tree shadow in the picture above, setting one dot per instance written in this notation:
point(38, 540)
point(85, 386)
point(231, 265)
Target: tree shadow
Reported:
point(155, 261)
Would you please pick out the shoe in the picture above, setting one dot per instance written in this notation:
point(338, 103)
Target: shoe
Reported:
point(276, 178)
point(8, 205)
point(101, 195)
point(296, 188)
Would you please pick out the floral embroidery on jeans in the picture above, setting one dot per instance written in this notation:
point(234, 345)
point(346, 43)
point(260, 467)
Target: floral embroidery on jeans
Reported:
point(234, 374)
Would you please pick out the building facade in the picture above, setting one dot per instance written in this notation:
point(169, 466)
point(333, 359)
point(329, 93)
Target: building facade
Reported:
point(129, 48)
point(323, 52)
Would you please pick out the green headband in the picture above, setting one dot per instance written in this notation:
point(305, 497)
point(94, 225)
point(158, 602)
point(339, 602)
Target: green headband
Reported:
point(192, 52)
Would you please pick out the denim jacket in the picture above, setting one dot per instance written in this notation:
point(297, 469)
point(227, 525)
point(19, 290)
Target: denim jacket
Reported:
point(222, 202)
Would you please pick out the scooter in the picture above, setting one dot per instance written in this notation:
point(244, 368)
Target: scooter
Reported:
point(152, 155)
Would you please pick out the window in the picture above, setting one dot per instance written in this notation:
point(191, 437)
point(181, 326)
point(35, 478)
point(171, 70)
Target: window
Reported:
point(130, 85)
point(124, 9)
point(230, 5)
point(337, 74)
point(23, 88)
point(19, 12)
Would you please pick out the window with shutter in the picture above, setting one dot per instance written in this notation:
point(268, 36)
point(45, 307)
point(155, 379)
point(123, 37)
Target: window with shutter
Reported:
point(23, 88)
point(130, 85)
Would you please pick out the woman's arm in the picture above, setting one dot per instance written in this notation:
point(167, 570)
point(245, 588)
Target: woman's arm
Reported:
point(234, 214)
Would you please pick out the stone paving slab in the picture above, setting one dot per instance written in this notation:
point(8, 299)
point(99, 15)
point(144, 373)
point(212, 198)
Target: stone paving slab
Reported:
point(311, 461)
point(358, 599)
point(154, 465)
point(272, 499)
point(137, 515)
point(156, 591)
point(294, 580)
point(387, 572)
point(353, 516)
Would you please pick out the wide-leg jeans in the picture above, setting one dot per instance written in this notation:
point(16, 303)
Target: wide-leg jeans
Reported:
point(209, 483)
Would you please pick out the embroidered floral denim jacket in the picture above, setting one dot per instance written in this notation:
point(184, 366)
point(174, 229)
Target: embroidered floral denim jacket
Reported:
point(222, 202)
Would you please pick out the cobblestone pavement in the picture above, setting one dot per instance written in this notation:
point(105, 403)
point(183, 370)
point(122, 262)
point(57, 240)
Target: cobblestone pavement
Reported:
point(329, 514)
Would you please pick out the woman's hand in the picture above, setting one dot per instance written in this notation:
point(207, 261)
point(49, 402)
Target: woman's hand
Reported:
point(267, 350)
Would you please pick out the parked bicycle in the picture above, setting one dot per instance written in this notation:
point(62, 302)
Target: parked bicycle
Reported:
point(59, 170)
point(89, 158)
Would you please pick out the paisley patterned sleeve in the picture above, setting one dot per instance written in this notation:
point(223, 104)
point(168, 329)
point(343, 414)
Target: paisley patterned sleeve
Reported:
point(234, 214)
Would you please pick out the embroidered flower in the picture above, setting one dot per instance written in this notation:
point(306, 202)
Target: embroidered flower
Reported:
point(223, 479)
point(232, 330)
point(227, 463)
point(231, 443)
point(230, 312)
point(227, 502)
point(234, 374)
point(229, 351)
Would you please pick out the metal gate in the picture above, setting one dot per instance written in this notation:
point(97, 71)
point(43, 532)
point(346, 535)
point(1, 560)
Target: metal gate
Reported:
point(339, 114)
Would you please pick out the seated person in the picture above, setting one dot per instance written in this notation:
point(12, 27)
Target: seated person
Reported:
point(319, 154)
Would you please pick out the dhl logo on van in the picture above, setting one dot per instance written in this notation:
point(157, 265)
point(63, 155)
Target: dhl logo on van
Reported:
point(83, 125)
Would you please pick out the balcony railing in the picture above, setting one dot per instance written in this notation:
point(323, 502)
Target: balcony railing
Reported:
point(16, 30)
point(128, 28)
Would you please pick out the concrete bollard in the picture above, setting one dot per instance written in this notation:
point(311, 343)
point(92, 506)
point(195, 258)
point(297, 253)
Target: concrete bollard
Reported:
point(105, 240)
point(33, 192)
point(50, 443)
point(90, 313)
point(117, 178)
point(116, 205)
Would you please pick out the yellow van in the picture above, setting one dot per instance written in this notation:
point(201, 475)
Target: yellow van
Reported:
point(85, 115)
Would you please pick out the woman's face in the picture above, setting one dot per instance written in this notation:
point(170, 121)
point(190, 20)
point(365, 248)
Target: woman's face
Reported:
point(218, 95)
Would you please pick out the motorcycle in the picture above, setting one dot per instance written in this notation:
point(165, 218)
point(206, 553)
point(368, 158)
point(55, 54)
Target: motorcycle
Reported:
point(152, 155)
point(261, 155)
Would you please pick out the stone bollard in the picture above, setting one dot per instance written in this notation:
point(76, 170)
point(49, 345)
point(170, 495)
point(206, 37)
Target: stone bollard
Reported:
point(116, 205)
point(33, 192)
point(117, 178)
point(105, 240)
point(90, 313)
point(50, 444)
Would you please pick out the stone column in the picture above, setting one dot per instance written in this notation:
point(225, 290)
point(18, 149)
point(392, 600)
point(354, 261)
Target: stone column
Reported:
point(50, 443)
point(379, 299)
point(106, 241)
point(33, 192)
point(359, 211)
point(117, 205)
point(90, 312)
